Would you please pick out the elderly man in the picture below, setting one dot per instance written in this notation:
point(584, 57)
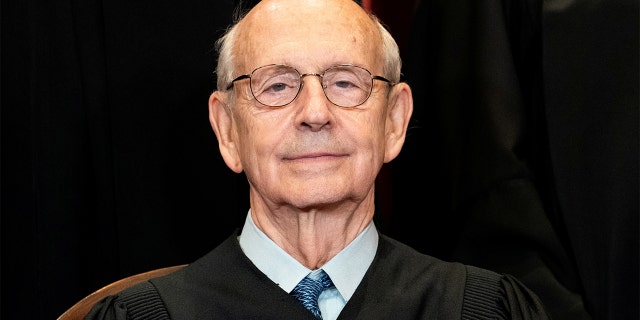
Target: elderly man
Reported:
point(310, 106)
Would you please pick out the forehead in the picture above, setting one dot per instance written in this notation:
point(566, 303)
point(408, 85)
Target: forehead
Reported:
point(307, 36)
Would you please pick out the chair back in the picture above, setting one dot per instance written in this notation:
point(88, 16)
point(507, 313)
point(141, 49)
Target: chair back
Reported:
point(79, 310)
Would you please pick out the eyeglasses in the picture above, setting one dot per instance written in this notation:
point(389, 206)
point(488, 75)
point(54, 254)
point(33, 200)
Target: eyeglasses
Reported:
point(277, 85)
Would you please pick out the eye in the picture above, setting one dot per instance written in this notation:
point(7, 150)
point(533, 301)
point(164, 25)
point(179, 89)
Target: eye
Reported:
point(343, 80)
point(276, 87)
point(345, 84)
point(276, 83)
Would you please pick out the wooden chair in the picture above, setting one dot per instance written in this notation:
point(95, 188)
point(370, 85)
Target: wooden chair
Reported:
point(81, 308)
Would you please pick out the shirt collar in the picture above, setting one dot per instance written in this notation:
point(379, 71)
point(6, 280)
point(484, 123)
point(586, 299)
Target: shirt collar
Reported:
point(346, 269)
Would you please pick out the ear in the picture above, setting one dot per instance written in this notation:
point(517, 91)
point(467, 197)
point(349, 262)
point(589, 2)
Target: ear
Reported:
point(398, 116)
point(221, 119)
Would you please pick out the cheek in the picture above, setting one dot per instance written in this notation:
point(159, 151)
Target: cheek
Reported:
point(375, 128)
point(259, 136)
point(369, 135)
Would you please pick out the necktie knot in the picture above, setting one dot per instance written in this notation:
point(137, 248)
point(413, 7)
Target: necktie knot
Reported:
point(308, 290)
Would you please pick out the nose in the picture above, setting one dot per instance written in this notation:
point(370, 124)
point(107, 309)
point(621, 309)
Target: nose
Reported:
point(315, 113)
point(304, 75)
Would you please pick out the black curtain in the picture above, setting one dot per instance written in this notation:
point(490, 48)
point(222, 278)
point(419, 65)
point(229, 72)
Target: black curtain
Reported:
point(522, 155)
point(109, 165)
point(523, 151)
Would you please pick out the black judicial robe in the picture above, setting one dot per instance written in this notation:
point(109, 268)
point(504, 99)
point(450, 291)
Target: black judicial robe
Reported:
point(401, 283)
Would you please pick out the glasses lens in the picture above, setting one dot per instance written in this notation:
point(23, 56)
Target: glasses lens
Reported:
point(347, 86)
point(275, 85)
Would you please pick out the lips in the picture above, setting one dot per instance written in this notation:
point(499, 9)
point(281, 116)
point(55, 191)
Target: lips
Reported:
point(313, 156)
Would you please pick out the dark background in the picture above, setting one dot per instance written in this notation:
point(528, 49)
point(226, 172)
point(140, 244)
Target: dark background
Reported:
point(522, 155)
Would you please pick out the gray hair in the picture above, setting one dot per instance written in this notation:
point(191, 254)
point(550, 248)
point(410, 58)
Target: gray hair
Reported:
point(225, 69)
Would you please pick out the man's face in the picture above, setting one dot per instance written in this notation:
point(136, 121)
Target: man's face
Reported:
point(309, 153)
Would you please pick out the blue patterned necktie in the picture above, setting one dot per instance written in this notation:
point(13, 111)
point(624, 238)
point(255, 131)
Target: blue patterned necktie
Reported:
point(308, 290)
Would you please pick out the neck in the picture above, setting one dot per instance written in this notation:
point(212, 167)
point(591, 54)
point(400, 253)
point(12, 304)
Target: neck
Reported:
point(313, 236)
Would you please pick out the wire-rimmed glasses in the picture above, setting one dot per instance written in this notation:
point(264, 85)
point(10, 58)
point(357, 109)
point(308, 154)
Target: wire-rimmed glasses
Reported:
point(277, 85)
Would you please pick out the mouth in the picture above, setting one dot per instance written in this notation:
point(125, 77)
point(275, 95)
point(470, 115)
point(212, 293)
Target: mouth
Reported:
point(314, 156)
